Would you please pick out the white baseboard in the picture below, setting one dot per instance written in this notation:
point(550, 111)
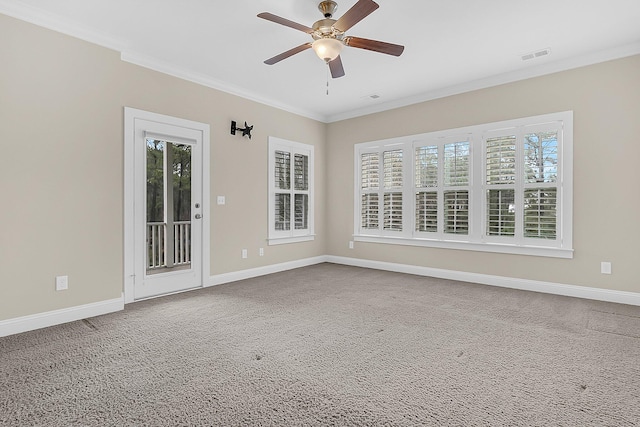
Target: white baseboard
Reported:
point(599, 294)
point(234, 276)
point(56, 317)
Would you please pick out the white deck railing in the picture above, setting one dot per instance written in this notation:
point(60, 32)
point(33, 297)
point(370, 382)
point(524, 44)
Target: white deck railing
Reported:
point(157, 242)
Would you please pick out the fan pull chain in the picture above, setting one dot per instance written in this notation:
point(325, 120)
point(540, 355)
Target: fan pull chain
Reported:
point(327, 78)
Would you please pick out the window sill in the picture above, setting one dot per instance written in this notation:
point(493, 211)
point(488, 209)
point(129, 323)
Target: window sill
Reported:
point(285, 240)
point(469, 246)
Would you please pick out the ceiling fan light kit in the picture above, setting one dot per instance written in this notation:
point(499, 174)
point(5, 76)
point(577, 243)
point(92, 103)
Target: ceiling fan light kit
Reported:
point(329, 35)
point(327, 49)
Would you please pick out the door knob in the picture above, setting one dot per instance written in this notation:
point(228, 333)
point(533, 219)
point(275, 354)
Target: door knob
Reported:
point(198, 216)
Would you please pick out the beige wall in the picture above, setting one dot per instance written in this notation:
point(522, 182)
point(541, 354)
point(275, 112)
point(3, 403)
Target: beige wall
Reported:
point(605, 99)
point(61, 181)
point(61, 134)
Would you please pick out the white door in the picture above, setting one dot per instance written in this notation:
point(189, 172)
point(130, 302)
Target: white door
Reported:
point(167, 211)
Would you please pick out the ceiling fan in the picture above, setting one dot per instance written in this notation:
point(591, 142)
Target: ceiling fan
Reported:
point(329, 35)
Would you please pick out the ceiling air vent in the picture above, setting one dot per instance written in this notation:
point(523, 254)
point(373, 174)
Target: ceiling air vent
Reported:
point(370, 96)
point(537, 54)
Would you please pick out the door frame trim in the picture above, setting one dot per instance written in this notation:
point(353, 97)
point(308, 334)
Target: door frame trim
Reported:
point(130, 115)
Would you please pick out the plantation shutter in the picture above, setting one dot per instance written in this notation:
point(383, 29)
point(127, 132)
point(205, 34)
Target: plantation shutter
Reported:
point(301, 172)
point(282, 208)
point(540, 214)
point(282, 181)
point(283, 170)
point(456, 164)
point(369, 211)
point(500, 167)
point(541, 157)
point(290, 191)
point(541, 193)
point(456, 184)
point(426, 182)
point(301, 184)
point(370, 184)
point(456, 212)
point(392, 204)
point(427, 211)
point(301, 211)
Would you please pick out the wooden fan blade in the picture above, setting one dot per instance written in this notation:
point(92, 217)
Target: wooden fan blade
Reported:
point(285, 55)
point(282, 21)
point(336, 67)
point(374, 45)
point(357, 13)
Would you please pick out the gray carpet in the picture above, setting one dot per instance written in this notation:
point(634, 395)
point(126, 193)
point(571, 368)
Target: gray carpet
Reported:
point(332, 345)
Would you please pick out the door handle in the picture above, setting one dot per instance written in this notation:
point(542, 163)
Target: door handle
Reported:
point(198, 216)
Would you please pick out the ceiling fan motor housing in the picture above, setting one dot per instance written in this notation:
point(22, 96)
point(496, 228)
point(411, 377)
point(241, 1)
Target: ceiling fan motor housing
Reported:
point(324, 29)
point(328, 8)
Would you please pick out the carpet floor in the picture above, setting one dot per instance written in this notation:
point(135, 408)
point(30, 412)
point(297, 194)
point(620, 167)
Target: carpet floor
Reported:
point(332, 345)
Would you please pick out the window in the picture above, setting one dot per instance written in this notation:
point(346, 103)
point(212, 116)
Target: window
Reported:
point(382, 191)
point(290, 191)
point(499, 187)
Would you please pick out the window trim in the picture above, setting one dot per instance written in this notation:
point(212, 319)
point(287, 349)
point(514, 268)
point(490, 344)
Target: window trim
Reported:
point(476, 240)
point(278, 237)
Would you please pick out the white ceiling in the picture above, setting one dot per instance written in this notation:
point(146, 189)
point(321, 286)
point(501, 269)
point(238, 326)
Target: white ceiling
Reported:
point(450, 45)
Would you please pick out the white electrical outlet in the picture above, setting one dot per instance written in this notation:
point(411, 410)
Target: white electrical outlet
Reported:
point(605, 267)
point(62, 283)
point(351, 244)
point(221, 200)
point(244, 253)
point(261, 251)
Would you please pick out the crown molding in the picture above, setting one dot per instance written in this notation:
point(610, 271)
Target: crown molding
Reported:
point(22, 11)
point(513, 76)
point(19, 10)
point(203, 80)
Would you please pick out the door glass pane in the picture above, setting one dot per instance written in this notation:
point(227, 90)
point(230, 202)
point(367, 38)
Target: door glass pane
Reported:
point(155, 204)
point(168, 205)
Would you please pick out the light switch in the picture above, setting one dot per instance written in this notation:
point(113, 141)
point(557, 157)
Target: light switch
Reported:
point(221, 200)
